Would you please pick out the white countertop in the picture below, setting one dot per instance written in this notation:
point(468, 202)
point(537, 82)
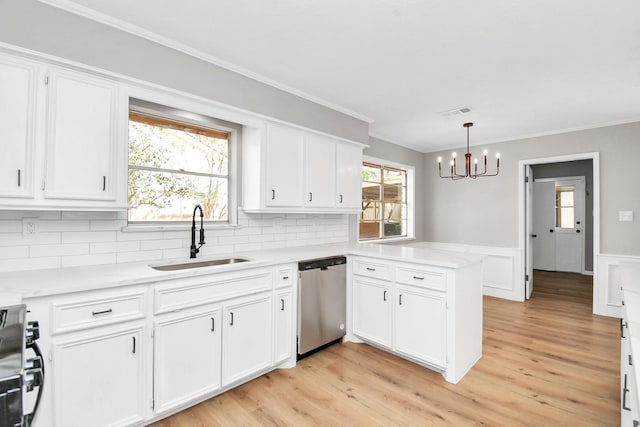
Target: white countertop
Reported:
point(37, 283)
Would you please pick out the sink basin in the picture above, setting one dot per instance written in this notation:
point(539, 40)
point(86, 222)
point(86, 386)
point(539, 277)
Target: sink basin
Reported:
point(198, 264)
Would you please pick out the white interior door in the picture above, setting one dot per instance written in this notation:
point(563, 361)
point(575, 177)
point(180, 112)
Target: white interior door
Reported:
point(543, 225)
point(569, 216)
point(528, 246)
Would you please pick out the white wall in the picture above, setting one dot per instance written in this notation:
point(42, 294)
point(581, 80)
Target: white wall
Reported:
point(68, 239)
point(42, 28)
point(485, 211)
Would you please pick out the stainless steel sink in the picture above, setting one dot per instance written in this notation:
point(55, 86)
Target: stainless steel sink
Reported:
point(199, 264)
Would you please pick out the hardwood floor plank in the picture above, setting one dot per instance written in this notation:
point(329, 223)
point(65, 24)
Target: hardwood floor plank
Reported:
point(546, 362)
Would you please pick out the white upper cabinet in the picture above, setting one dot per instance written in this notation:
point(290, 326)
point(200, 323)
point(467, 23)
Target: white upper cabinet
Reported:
point(63, 136)
point(287, 169)
point(320, 171)
point(348, 176)
point(81, 137)
point(284, 167)
point(17, 132)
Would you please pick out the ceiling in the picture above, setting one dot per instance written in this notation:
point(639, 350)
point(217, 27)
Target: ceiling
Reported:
point(524, 68)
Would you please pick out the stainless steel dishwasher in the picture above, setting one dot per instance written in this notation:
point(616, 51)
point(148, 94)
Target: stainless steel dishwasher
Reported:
point(322, 307)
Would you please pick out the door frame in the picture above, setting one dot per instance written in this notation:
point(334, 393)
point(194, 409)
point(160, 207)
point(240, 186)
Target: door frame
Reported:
point(524, 244)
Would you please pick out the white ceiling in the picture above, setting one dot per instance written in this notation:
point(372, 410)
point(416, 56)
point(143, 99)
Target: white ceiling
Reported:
point(524, 68)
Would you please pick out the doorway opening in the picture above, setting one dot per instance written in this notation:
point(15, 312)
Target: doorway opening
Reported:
point(559, 221)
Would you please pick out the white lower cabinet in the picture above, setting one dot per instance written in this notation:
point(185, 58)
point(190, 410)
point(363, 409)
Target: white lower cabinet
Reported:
point(187, 356)
point(246, 337)
point(98, 377)
point(420, 326)
point(372, 310)
point(283, 348)
point(413, 311)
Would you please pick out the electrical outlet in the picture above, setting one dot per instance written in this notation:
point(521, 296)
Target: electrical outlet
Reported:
point(29, 227)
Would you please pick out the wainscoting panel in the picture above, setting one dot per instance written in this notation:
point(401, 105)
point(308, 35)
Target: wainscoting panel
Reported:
point(607, 294)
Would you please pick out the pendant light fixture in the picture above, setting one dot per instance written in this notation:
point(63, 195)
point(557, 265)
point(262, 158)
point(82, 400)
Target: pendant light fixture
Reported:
point(467, 164)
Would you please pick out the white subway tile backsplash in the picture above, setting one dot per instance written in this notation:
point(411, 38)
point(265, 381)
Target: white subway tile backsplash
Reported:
point(82, 260)
point(139, 256)
point(88, 236)
point(113, 247)
point(65, 239)
point(37, 251)
point(13, 252)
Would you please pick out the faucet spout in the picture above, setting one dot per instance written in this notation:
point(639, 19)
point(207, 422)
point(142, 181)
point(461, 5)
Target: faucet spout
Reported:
point(195, 249)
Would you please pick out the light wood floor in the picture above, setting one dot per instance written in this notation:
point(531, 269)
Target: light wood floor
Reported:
point(546, 362)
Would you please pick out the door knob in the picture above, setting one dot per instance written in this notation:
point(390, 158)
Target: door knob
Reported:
point(577, 231)
point(534, 235)
point(551, 230)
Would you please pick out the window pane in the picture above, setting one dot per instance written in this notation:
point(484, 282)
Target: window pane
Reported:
point(370, 230)
point(394, 193)
point(564, 217)
point(166, 148)
point(370, 173)
point(370, 191)
point(370, 211)
point(159, 196)
point(394, 228)
point(393, 176)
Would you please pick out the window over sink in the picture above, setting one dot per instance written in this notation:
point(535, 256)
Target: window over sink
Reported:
point(177, 160)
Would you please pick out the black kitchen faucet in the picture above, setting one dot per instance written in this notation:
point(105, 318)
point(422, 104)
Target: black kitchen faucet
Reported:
point(194, 249)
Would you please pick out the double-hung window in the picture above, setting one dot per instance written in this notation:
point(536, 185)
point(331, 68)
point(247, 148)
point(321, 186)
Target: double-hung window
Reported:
point(175, 165)
point(387, 211)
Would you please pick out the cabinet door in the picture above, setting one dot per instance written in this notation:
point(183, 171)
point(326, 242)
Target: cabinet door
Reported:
point(372, 311)
point(81, 137)
point(187, 357)
point(284, 166)
point(246, 338)
point(320, 171)
point(420, 330)
point(17, 119)
point(284, 335)
point(349, 176)
point(97, 379)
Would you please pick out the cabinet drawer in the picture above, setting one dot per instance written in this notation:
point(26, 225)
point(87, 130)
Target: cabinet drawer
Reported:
point(284, 277)
point(420, 276)
point(96, 310)
point(372, 268)
point(183, 293)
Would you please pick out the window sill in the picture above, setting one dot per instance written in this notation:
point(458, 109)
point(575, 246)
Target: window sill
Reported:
point(397, 239)
point(137, 228)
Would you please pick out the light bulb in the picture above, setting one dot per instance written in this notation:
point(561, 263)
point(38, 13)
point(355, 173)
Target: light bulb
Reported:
point(451, 162)
point(439, 159)
point(485, 152)
point(475, 161)
point(453, 154)
point(497, 155)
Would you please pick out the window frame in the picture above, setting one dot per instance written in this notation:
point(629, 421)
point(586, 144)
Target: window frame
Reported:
point(187, 116)
point(410, 195)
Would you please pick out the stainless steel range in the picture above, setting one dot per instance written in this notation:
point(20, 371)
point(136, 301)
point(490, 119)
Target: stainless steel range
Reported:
point(18, 375)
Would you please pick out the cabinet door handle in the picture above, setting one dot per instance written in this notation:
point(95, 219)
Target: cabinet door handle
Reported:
point(340, 198)
point(19, 177)
point(285, 277)
point(231, 324)
point(213, 324)
point(418, 278)
point(311, 197)
point(371, 269)
point(630, 361)
point(622, 325)
point(273, 194)
point(133, 350)
point(97, 313)
point(400, 300)
point(384, 296)
point(625, 390)
point(281, 304)
point(104, 183)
